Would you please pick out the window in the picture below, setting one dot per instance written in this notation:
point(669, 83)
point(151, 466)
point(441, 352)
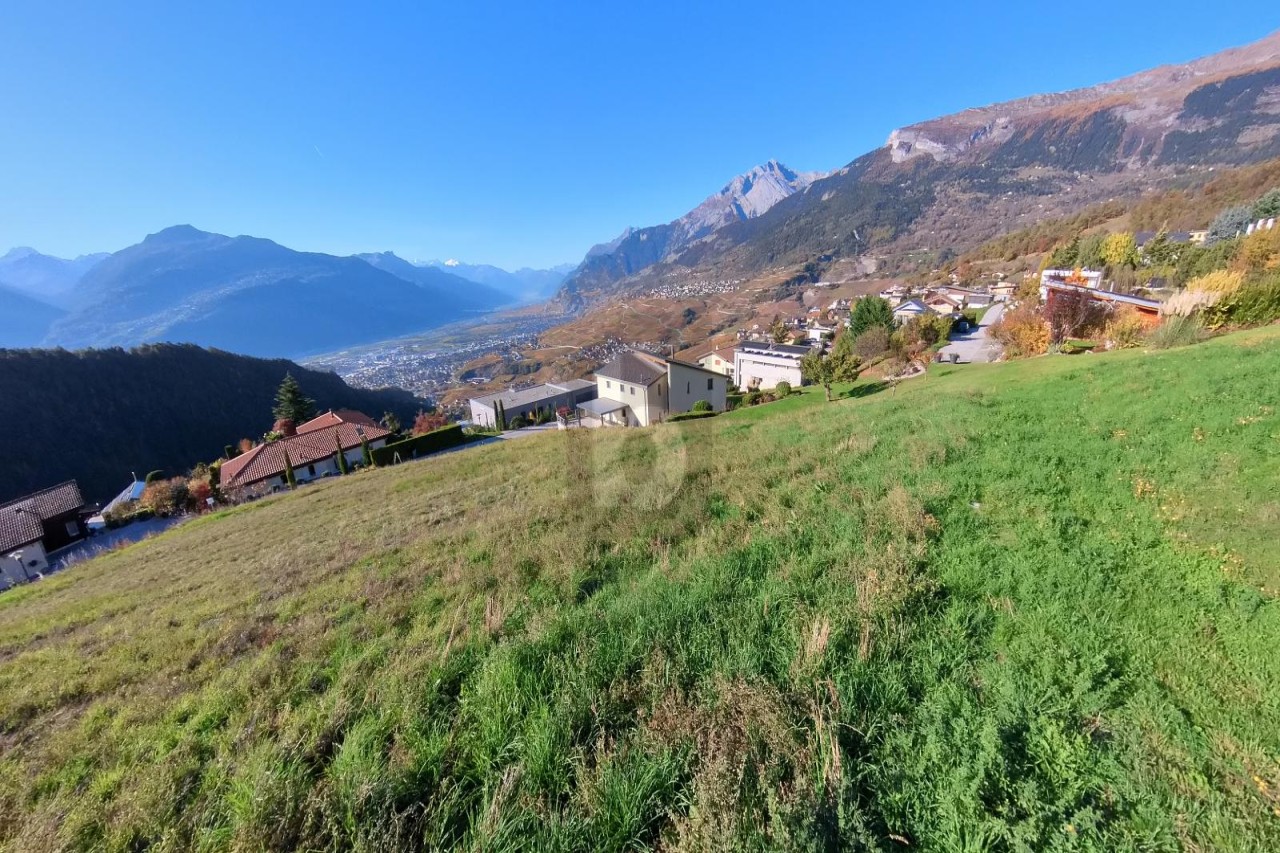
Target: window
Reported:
point(608, 384)
point(73, 529)
point(633, 390)
point(311, 470)
point(711, 384)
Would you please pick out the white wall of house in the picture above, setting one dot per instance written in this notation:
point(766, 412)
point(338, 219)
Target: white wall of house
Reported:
point(716, 363)
point(688, 386)
point(768, 369)
point(17, 566)
point(645, 404)
point(483, 415)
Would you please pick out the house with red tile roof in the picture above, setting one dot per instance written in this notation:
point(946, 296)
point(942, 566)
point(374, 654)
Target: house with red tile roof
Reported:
point(313, 453)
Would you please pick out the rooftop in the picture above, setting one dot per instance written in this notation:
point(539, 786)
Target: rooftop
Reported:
point(21, 520)
point(267, 460)
point(333, 418)
point(635, 367)
point(770, 348)
point(533, 394)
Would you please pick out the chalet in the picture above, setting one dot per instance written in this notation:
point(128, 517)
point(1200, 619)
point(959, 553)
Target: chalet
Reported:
point(941, 303)
point(640, 389)
point(907, 310)
point(762, 365)
point(720, 361)
point(312, 454)
point(34, 527)
point(549, 397)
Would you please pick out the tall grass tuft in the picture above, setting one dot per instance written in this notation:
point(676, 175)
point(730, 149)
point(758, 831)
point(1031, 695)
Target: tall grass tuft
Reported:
point(1177, 330)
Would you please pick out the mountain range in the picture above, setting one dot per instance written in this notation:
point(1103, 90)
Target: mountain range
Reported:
point(746, 197)
point(244, 294)
point(955, 181)
point(525, 284)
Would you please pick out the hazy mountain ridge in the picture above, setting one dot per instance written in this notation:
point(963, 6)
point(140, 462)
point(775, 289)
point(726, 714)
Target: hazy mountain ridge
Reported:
point(249, 295)
point(45, 277)
point(524, 284)
point(23, 319)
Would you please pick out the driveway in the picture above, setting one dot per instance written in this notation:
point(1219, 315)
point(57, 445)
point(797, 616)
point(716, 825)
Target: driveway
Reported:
point(977, 345)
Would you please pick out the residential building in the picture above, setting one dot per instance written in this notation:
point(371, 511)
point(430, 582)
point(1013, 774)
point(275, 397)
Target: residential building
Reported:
point(762, 365)
point(312, 454)
point(524, 402)
point(640, 389)
point(1080, 278)
point(1147, 309)
point(720, 361)
point(34, 527)
point(941, 303)
point(908, 309)
point(332, 418)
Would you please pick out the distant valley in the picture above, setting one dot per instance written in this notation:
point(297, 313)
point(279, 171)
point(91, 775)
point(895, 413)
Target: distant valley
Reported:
point(241, 294)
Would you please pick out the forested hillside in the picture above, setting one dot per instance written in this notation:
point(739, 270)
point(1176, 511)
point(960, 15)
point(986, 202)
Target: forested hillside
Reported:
point(97, 415)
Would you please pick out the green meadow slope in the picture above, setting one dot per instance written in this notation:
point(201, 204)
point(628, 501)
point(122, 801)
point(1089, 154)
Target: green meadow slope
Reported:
point(1016, 607)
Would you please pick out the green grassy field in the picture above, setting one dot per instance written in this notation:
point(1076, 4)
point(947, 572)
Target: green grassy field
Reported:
point(1012, 607)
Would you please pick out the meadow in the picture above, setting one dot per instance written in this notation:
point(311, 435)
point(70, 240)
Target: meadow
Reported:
point(1025, 606)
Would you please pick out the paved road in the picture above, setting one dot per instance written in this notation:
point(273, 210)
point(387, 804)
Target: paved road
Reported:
point(976, 345)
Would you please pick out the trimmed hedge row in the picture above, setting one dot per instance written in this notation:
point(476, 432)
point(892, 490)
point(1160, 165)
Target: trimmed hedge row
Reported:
point(690, 416)
point(420, 445)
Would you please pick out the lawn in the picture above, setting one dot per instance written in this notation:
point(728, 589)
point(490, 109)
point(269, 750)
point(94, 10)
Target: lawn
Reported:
point(1024, 606)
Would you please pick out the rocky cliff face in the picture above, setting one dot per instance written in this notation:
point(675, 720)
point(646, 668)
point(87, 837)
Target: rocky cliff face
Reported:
point(746, 197)
point(1175, 113)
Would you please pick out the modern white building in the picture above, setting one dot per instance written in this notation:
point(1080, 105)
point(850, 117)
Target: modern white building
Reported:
point(720, 361)
point(761, 365)
point(548, 397)
point(910, 308)
point(640, 389)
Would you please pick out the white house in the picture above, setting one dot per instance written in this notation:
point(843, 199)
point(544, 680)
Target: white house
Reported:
point(910, 308)
point(720, 361)
point(639, 389)
point(548, 397)
point(762, 365)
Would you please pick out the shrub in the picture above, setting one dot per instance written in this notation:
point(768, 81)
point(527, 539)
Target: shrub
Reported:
point(691, 416)
point(1176, 331)
point(1253, 304)
point(420, 445)
point(871, 343)
point(782, 389)
point(165, 497)
point(518, 422)
point(752, 398)
point(1023, 332)
point(285, 427)
point(425, 422)
point(701, 406)
point(1126, 329)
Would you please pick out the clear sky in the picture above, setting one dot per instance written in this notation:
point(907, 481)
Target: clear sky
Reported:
point(500, 132)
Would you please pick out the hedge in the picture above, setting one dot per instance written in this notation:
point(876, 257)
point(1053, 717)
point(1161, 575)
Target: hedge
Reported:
point(690, 416)
point(420, 445)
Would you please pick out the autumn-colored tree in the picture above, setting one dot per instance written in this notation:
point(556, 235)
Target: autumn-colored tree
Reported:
point(428, 422)
point(1071, 313)
point(285, 427)
point(778, 330)
point(1120, 250)
point(245, 445)
point(1259, 251)
point(1023, 332)
point(165, 497)
point(199, 491)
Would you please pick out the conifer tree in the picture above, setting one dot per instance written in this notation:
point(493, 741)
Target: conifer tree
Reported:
point(291, 404)
point(289, 477)
point(365, 453)
point(341, 457)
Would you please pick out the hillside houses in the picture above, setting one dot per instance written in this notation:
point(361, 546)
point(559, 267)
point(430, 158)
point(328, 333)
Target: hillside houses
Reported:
point(640, 389)
point(761, 365)
point(311, 452)
point(34, 527)
point(549, 397)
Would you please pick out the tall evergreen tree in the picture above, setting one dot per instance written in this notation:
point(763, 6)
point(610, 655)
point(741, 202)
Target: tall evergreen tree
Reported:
point(341, 457)
point(366, 454)
point(291, 403)
point(869, 312)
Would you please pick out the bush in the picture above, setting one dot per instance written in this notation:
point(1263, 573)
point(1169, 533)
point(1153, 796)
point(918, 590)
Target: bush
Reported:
point(165, 497)
point(1176, 331)
point(420, 445)
point(701, 406)
point(871, 343)
point(1023, 333)
point(783, 389)
point(691, 416)
point(1126, 329)
point(752, 398)
point(1254, 304)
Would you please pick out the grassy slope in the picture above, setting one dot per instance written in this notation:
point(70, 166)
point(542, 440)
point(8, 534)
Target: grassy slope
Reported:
point(1023, 606)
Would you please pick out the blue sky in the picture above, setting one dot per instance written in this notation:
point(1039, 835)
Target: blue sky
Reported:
point(497, 132)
